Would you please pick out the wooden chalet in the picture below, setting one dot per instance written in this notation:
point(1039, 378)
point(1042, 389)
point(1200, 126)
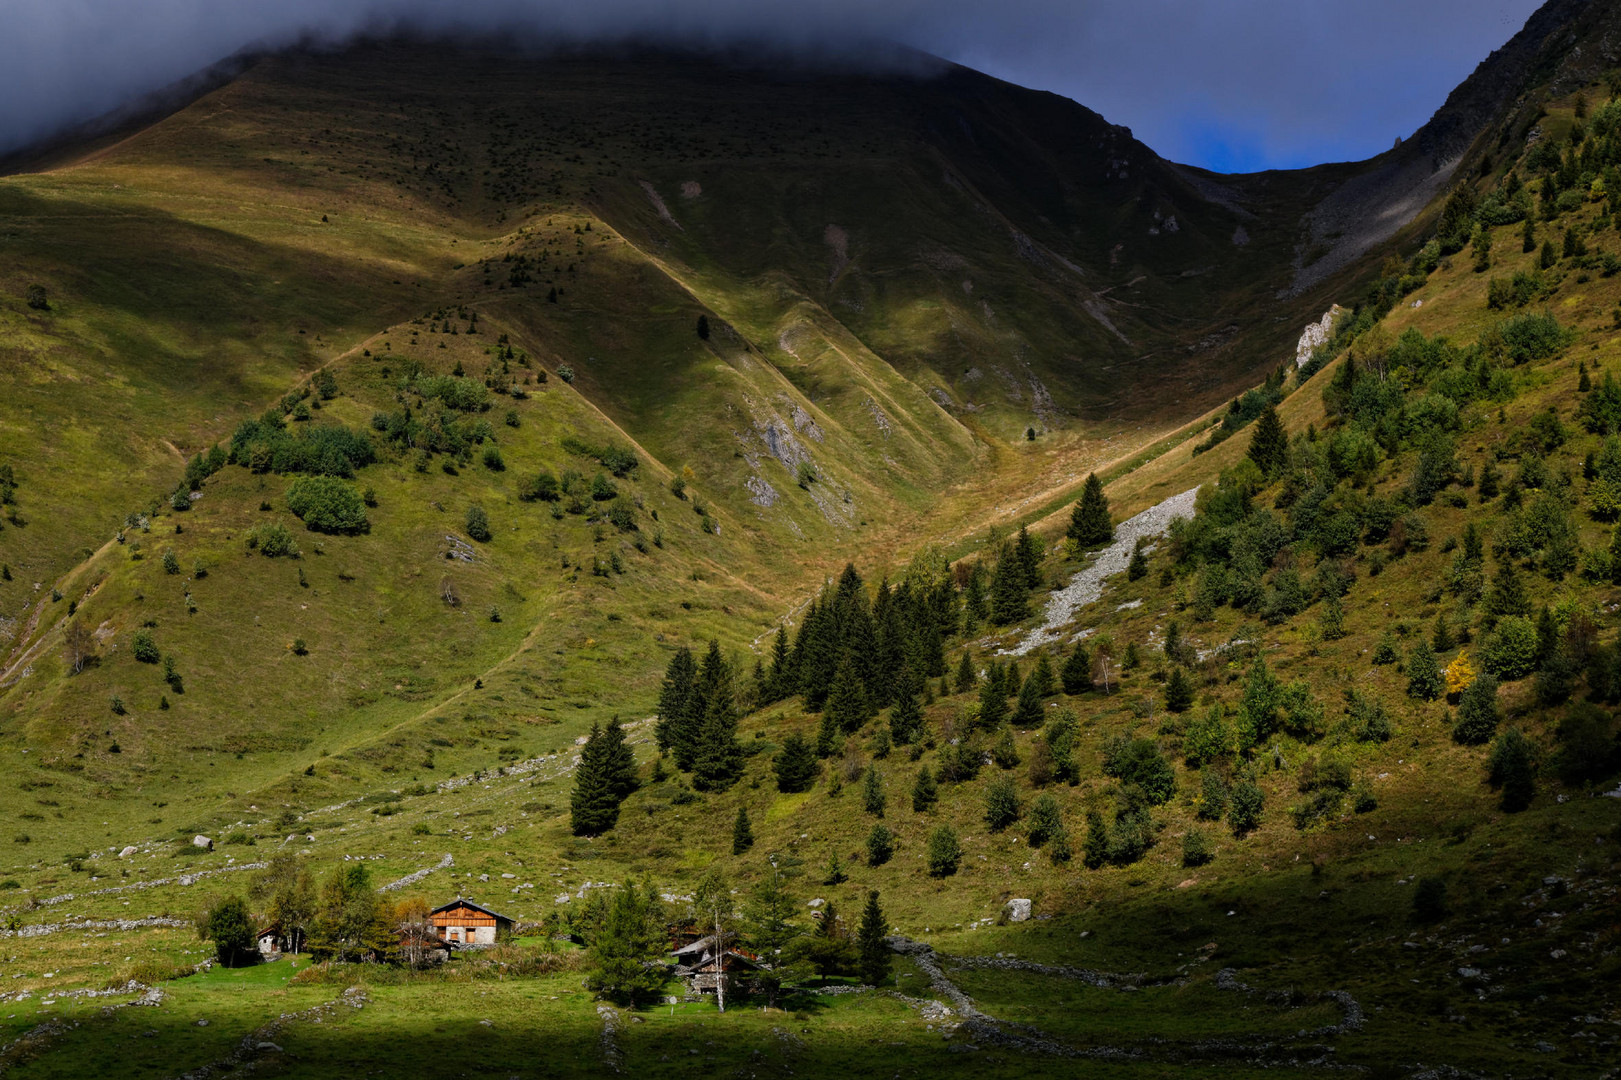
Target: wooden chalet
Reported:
point(462, 922)
point(702, 965)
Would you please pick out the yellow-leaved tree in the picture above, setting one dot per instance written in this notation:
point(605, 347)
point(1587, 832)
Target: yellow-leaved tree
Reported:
point(1459, 675)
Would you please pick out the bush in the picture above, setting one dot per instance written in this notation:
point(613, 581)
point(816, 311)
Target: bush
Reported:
point(1001, 804)
point(273, 541)
point(1512, 769)
point(542, 487)
point(1478, 716)
point(945, 852)
point(493, 460)
point(1139, 761)
point(1511, 651)
point(1244, 815)
point(1430, 900)
point(144, 647)
point(1196, 848)
point(328, 505)
point(478, 524)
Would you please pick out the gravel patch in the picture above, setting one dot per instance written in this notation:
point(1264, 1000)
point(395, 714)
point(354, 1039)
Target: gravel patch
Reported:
point(1086, 587)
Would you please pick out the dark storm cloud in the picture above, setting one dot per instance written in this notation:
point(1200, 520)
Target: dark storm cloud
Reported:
point(1223, 83)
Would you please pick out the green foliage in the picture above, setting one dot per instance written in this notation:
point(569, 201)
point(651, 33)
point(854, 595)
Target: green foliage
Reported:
point(1511, 651)
point(229, 926)
point(873, 799)
point(1076, 674)
point(542, 487)
point(1478, 715)
point(1028, 712)
point(1269, 444)
point(1140, 762)
point(1512, 769)
point(1430, 900)
point(1385, 652)
point(742, 832)
point(925, 791)
point(1244, 810)
point(1095, 848)
point(605, 776)
point(1046, 820)
point(1209, 738)
point(1010, 589)
point(874, 962)
point(478, 524)
point(1424, 680)
point(620, 952)
point(944, 853)
point(795, 765)
point(1178, 690)
point(1089, 523)
point(273, 541)
point(615, 458)
point(1197, 849)
point(880, 845)
point(327, 504)
point(144, 647)
point(1001, 803)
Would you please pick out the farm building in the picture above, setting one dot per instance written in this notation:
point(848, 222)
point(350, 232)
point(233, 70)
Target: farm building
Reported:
point(271, 942)
point(462, 922)
point(701, 965)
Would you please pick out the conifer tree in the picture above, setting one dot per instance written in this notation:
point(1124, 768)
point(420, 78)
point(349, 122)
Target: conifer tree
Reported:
point(924, 791)
point(1046, 683)
point(742, 832)
point(1001, 803)
point(1076, 674)
point(945, 852)
point(1441, 639)
point(873, 799)
point(717, 759)
point(1507, 595)
point(675, 700)
point(880, 845)
point(847, 700)
point(1095, 848)
point(618, 761)
point(1137, 568)
point(966, 678)
point(1046, 820)
point(904, 716)
point(1258, 707)
point(1423, 674)
point(1005, 752)
point(992, 705)
point(1478, 715)
point(1027, 714)
point(827, 735)
point(871, 948)
point(1089, 523)
point(593, 806)
point(778, 678)
point(1010, 594)
point(1178, 690)
point(795, 765)
point(1269, 445)
point(975, 606)
point(1512, 769)
point(1028, 550)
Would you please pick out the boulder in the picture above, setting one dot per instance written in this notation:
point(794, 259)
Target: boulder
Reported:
point(1018, 910)
point(203, 842)
point(127, 852)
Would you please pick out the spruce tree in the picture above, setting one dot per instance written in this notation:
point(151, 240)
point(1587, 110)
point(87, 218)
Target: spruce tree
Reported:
point(1137, 568)
point(1028, 551)
point(1010, 594)
point(1269, 445)
point(1178, 690)
point(675, 699)
point(742, 833)
point(1076, 674)
point(1095, 848)
point(593, 806)
point(1001, 803)
point(1027, 714)
point(847, 701)
point(1512, 769)
point(992, 705)
point(1046, 683)
point(795, 765)
point(873, 800)
point(1478, 715)
point(975, 606)
point(827, 736)
point(1046, 820)
point(618, 761)
point(871, 949)
point(944, 852)
point(1507, 595)
point(717, 759)
point(1441, 640)
point(904, 716)
point(880, 845)
point(1005, 751)
point(1089, 523)
point(779, 679)
point(1423, 675)
point(925, 791)
point(966, 678)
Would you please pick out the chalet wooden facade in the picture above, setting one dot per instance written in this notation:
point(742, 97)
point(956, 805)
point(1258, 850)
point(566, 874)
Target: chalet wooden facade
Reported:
point(462, 922)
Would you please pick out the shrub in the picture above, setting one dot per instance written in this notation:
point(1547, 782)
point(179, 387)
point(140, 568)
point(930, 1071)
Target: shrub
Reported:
point(1478, 716)
point(1139, 761)
point(1001, 804)
point(1196, 848)
point(1046, 820)
point(1244, 815)
point(493, 460)
point(1512, 769)
point(1511, 651)
point(1430, 899)
point(144, 647)
point(478, 524)
point(945, 852)
point(328, 505)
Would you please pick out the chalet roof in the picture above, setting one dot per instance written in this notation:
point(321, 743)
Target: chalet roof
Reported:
point(273, 928)
point(734, 961)
point(459, 902)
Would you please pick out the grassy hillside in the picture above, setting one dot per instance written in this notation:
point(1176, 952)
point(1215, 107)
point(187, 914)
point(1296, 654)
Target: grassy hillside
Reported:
point(408, 691)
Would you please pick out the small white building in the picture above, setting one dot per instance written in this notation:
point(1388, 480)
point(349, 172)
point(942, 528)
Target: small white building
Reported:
point(271, 942)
